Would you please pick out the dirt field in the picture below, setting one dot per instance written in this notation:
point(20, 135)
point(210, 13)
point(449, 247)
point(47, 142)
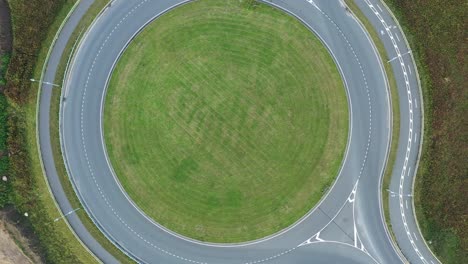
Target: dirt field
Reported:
point(17, 243)
point(9, 251)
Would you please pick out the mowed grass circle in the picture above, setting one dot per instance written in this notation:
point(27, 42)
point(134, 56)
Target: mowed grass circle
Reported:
point(225, 123)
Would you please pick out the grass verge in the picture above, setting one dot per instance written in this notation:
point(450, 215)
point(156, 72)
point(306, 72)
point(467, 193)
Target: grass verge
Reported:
point(395, 106)
point(233, 118)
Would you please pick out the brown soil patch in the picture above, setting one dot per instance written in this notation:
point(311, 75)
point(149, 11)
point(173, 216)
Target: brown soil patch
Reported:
point(9, 251)
point(17, 241)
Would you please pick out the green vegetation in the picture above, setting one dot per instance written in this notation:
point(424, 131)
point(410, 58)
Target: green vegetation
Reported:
point(437, 33)
point(35, 23)
point(6, 41)
point(6, 189)
point(395, 105)
point(226, 123)
point(4, 60)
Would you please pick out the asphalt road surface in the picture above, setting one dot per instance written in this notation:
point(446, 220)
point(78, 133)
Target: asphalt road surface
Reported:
point(347, 226)
point(402, 214)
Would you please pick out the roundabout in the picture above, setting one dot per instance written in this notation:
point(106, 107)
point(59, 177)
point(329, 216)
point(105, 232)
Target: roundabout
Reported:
point(214, 141)
point(146, 240)
point(348, 219)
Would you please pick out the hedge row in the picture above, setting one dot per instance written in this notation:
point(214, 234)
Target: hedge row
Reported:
point(31, 20)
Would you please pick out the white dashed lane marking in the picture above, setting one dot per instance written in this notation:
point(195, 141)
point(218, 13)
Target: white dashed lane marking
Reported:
point(410, 132)
point(85, 148)
point(396, 35)
point(100, 189)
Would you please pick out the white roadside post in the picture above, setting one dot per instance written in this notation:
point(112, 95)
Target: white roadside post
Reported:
point(53, 84)
point(67, 214)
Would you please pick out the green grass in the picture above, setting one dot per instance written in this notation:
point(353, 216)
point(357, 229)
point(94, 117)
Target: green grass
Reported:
point(226, 122)
point(395, 107)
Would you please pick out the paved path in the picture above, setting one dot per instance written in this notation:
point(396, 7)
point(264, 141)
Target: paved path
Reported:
point(401, 189)
point(44, 135)
point(347, 225)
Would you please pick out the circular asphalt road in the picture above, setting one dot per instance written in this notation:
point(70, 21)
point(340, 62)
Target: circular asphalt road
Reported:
point(346, 226)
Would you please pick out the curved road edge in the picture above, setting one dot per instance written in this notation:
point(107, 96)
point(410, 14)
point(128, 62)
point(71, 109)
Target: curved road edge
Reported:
point(381, 17)
point(44, 96)
point(43, 121)
point(381, 59)
point(421, 99)
point(377, 82)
